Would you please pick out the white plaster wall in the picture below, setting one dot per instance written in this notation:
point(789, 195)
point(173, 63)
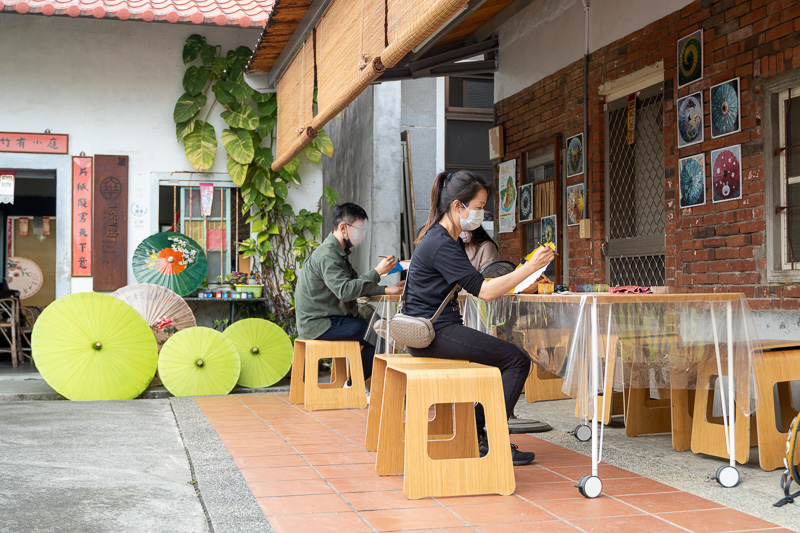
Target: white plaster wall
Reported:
point(112, 86)
point(549, 34)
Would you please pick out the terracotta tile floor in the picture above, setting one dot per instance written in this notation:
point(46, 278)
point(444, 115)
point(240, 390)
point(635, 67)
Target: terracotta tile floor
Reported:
point(310, 472)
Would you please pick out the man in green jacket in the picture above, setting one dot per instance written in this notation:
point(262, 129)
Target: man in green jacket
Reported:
point(328, 285)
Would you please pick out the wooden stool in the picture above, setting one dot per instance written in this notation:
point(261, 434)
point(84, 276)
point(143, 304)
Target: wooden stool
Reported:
point(541, 385)
point(775, 367)
point(423, 385)
point(314, 395)
point(708, 435)
point(439, 427)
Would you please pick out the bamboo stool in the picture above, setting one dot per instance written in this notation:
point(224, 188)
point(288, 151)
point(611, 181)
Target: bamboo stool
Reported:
point(542, 386)
point(423, 385)
point(775, 367)
point(439, 427)
point(708, 432)
point(314, 395)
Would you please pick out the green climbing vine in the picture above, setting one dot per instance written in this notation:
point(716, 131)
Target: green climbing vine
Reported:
point(283, 238)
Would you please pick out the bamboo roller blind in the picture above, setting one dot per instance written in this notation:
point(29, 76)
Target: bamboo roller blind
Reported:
point(355, 41)
point(295, 103)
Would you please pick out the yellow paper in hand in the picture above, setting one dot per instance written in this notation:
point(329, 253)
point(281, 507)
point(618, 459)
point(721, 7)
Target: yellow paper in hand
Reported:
point(530, 280)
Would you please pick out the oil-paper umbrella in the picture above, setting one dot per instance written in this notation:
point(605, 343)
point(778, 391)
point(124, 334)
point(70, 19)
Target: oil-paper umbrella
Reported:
point(171, 260)
point(91, 346)
point(25, 276)
point(265, 351)
point(164, 310)
point(198, 362)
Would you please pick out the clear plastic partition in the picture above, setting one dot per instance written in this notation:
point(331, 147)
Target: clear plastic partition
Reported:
point(378, 330)
point(655, 342)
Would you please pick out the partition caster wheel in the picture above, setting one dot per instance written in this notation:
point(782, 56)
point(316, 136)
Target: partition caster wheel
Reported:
point(583, 433)
point(590, 486)
point(728, 476)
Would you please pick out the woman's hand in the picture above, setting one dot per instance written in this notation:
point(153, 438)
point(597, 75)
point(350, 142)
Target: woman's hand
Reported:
point(541, 258)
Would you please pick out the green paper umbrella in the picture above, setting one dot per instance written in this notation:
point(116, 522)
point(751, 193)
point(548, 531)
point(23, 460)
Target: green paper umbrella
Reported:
point(265, 351)
point(91, 346)
point(198, 362)
point(171, 260)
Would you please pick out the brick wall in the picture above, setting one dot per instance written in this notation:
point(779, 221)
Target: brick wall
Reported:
point(710, 248)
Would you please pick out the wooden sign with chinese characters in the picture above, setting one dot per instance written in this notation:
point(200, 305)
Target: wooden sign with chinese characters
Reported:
point(110, 222)
point(34, 143)
point(82, 168)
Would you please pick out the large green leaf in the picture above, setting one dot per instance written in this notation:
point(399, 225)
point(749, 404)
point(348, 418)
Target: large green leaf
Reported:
point(239, 145)
point(182, 129)
point(219, 66)
point(268, 108)
point(239, 89)
point(237, 171)
point(207, 54)
point(263, 97)
point(281, 189)
point(291, 166)
point(187, 106)
point(194, 80)
point(223, 97)
point(265, 126)
point(323, 143)
point(201, 145)
point(263, 157)
point(241, 116)
point(262, 183)
point(192, 47)
point(312, 153)
point(331, 195)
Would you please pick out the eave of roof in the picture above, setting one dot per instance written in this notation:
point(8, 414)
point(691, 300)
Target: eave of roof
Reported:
point(241, 13)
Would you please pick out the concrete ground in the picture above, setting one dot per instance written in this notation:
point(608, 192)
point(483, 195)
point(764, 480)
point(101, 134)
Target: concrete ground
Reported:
point(130, 465)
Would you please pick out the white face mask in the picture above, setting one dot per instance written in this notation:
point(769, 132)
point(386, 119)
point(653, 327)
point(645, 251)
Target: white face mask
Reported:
point(473, 221)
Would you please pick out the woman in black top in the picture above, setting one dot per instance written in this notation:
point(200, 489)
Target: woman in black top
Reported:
point(439, 262)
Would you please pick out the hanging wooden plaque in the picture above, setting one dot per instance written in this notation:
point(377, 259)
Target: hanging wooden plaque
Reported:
point(82, 173)
point(110, 222)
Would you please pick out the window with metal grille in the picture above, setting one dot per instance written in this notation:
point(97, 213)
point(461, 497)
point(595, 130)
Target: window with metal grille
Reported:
point(635, 221)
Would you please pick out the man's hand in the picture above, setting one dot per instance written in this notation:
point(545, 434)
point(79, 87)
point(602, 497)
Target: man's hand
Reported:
point(396, 289)
point(386, 265)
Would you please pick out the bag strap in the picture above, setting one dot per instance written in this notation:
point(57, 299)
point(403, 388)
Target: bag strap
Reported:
point(447, 299)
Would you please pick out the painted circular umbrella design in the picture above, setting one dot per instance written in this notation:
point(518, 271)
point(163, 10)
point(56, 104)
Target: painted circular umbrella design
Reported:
point(265, 351)
point(726, 177)
point(575, 156)
point(171, 260)
point(574, 204)
point(692, 186)
point(690, 119)
point(548, 230)
point(725, 109)
point(525, 203)
point(165, 311)
point(199, 362)
point(24, 275)
point(92, 346)
point(689, 60)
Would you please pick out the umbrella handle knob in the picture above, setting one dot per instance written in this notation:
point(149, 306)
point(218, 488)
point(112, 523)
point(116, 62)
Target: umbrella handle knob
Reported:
point(170, 259)
point(255, 350)
point(97, 346)
point(199, 362)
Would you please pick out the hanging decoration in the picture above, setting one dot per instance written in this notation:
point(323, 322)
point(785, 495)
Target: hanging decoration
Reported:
point(6, 186)
point(34, 143)
point(726, 177)
point(23, 226)
point(630, 137)
point(206, 198)
point(82, 172)
point(690, 119)
point(575, 155)
point(725, 108)
point(526, 202)
point(692, 172)
point(508, 195)
point(574, 204)
point(690, 58)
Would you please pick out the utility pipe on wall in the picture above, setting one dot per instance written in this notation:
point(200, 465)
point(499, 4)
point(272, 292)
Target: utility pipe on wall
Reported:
point(586, 110)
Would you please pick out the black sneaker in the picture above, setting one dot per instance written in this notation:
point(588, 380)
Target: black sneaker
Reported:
point(520, 458)
point(483, 444)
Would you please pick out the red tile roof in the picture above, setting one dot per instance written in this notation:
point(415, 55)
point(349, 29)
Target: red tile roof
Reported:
point(244, 13)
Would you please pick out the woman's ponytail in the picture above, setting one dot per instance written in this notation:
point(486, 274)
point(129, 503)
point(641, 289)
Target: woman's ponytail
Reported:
point(462, 185)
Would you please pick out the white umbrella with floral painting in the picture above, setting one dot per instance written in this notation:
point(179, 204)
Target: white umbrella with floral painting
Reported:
point(165, 311)
point(25, 276)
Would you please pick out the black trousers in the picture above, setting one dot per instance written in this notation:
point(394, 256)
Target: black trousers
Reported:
point(351, 328)
point(456, 341)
